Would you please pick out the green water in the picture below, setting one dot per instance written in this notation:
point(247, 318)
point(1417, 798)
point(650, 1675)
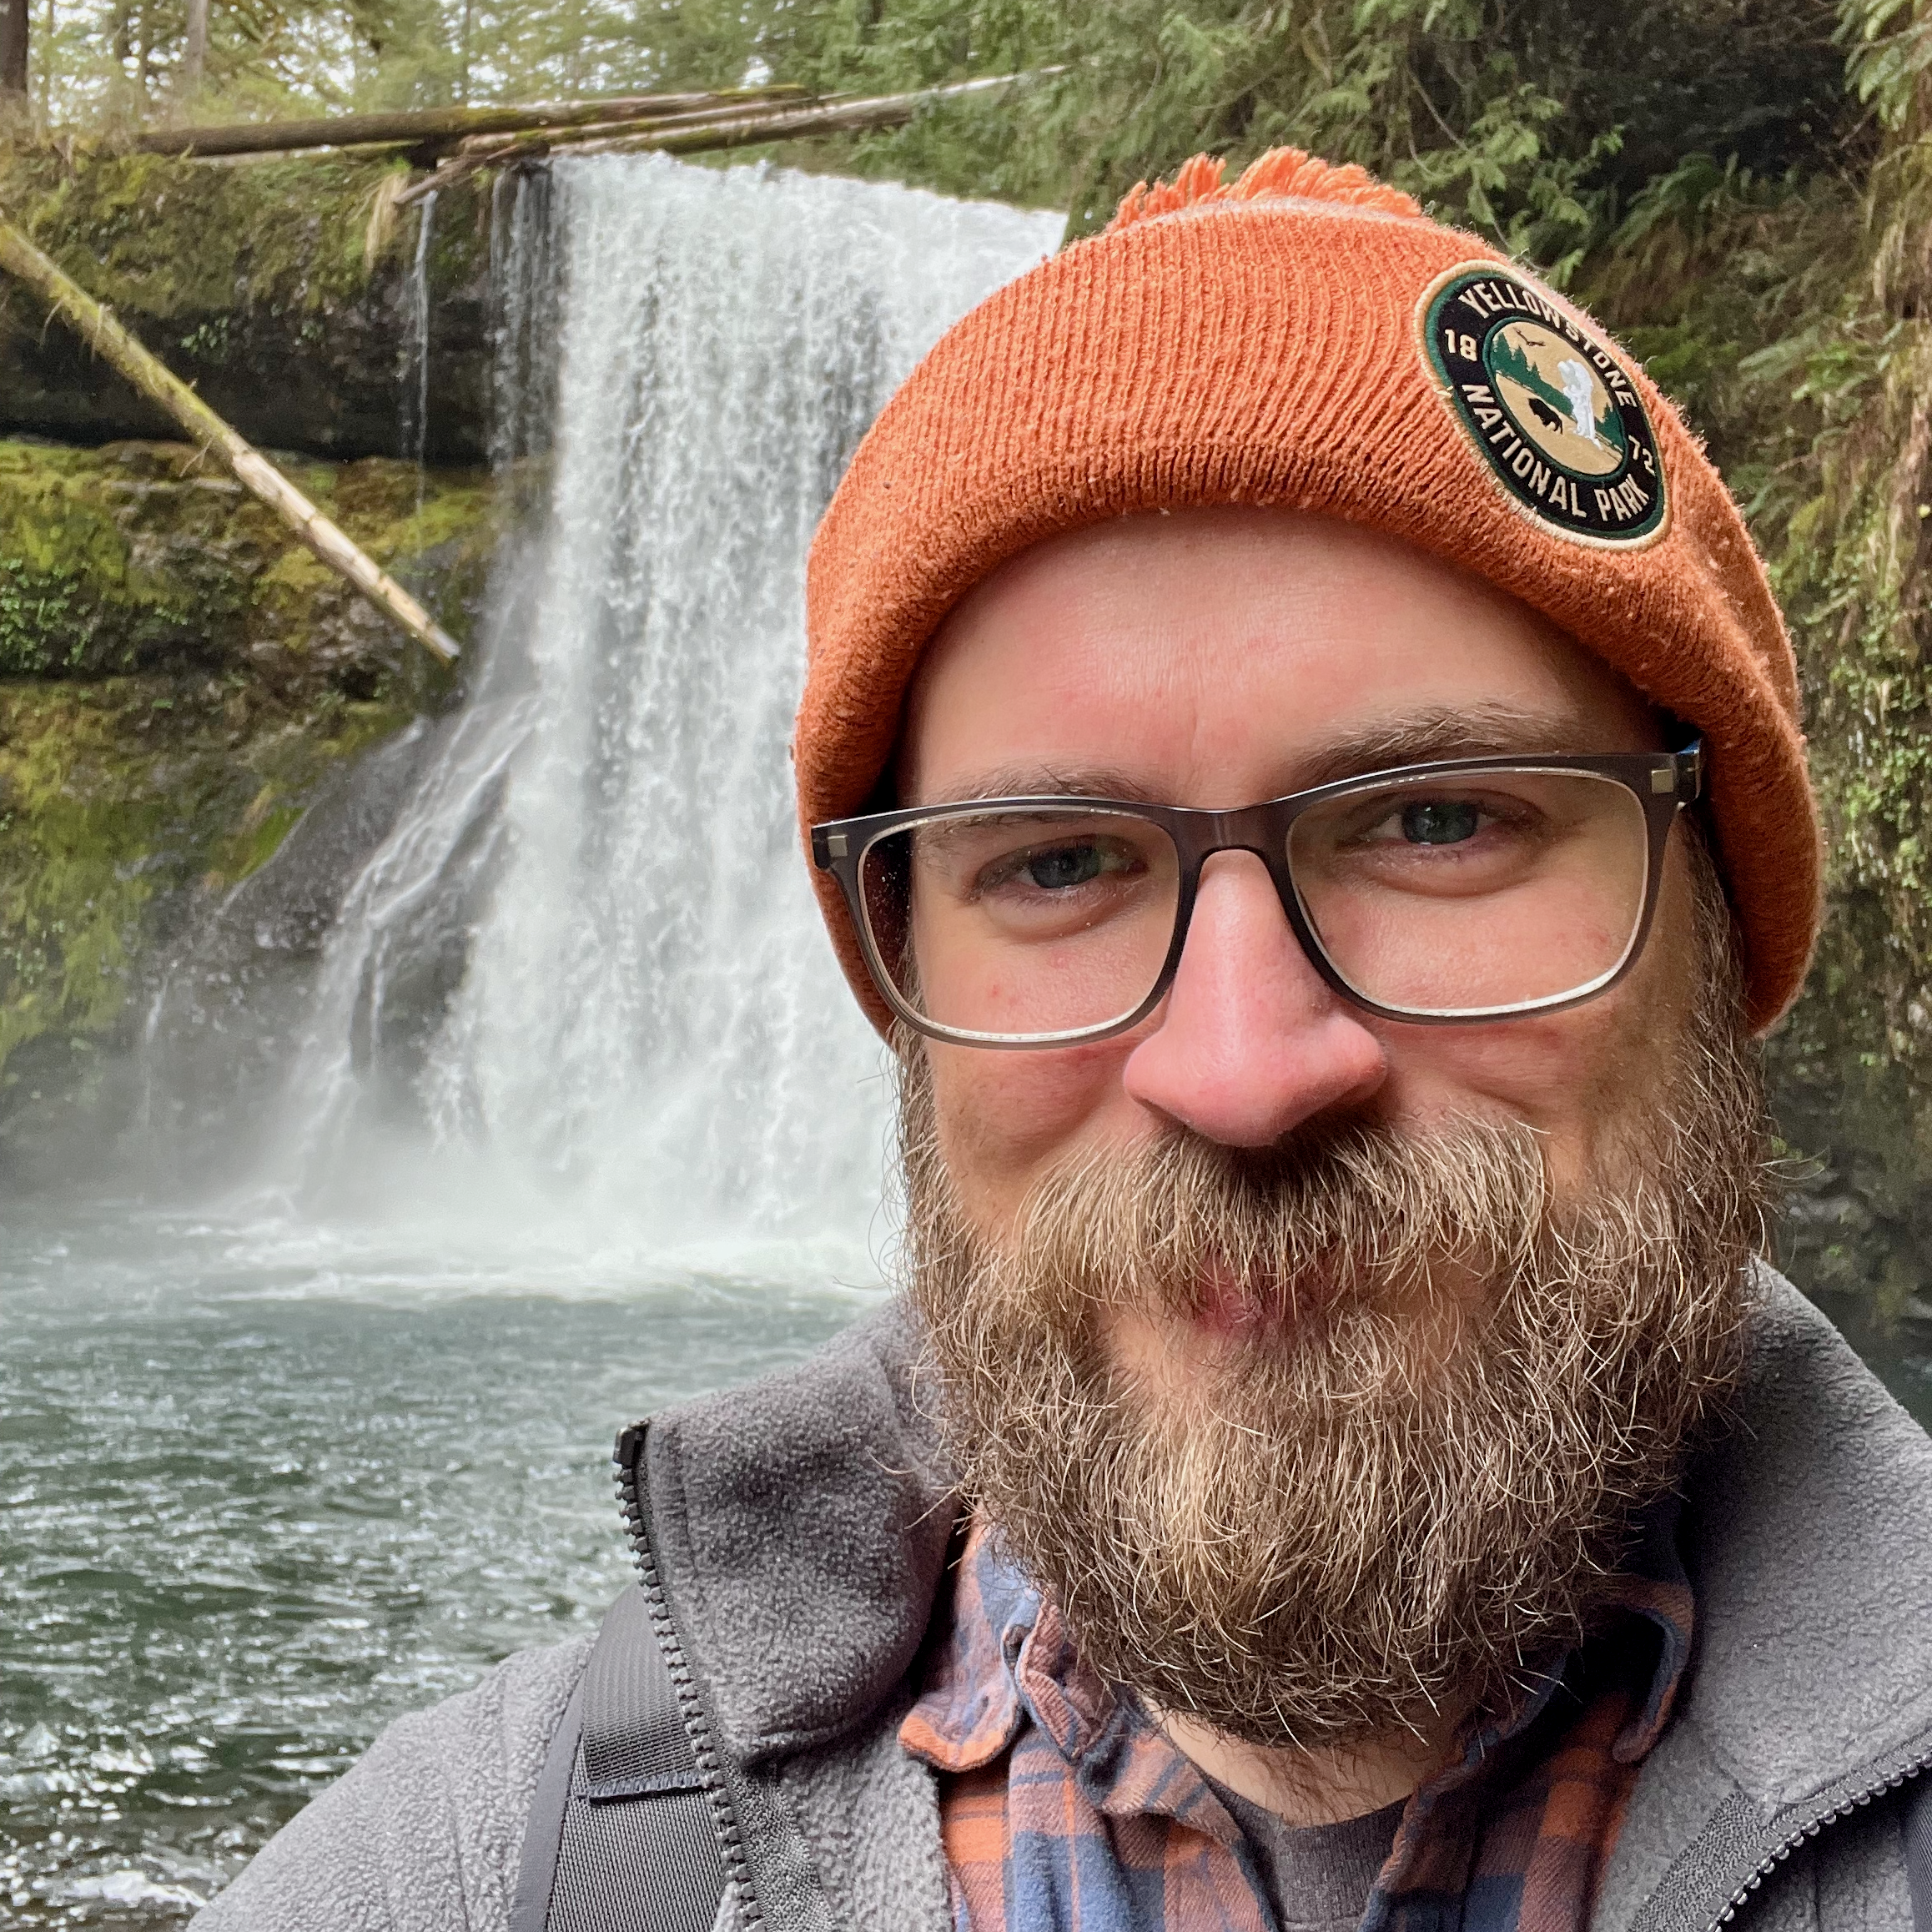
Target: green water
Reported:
point(261, 1491)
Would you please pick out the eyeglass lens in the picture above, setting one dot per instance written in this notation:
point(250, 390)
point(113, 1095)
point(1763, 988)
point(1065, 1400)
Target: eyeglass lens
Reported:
point(1438, 897)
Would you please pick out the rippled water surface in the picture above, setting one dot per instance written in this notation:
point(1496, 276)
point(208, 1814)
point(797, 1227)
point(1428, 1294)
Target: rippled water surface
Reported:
point(262, 1489)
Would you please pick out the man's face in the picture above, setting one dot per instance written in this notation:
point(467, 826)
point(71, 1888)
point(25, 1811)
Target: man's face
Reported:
point(1215, 658)
point(1314, 1361)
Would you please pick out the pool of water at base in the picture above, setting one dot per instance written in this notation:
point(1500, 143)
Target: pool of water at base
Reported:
point(262, 1490)
point(264, 1486)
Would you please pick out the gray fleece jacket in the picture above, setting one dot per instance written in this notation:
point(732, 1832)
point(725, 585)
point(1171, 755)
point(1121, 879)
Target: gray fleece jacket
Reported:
point(798, 1530)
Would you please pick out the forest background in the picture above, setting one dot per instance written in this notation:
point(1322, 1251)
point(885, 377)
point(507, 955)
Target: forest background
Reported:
point(1741, 189)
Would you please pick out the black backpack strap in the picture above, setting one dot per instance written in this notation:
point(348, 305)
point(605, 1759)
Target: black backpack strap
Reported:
point(621, 1836)
point(1918, 1822)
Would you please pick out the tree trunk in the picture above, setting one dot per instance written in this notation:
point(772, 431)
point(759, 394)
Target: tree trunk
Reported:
point(113, 343)
point(704, 132)
point(13, 56)
point(194, 53)
point(423, 126)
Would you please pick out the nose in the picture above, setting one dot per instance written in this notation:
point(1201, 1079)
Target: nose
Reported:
point(1251, 1040)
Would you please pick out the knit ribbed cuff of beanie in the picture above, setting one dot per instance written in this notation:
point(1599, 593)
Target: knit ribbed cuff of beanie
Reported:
point(1304, 337)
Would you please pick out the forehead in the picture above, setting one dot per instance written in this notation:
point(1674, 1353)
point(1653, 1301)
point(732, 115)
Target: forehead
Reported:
point(1218, 656)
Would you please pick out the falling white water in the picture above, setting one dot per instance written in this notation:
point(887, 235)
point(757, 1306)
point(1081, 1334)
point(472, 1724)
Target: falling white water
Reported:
point(585, 969)
point(416, 347)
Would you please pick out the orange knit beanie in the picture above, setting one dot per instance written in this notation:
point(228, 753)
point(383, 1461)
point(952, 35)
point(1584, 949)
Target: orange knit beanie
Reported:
point(1305, 337)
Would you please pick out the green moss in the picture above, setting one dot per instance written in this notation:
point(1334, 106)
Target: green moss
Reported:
point(249, 848)
point(176, 676)
point(79, 592)
point(121, 797)
point(163, 238)
point(74, 833)
point(141, 557)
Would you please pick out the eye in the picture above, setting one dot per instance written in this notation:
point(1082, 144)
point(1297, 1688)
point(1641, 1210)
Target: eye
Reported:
point(1061, 866)
point(1440, 821)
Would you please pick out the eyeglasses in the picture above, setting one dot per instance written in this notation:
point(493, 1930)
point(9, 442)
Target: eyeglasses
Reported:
point(1473, 889)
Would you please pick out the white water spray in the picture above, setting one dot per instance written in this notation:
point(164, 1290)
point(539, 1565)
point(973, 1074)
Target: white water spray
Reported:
point(585, 964)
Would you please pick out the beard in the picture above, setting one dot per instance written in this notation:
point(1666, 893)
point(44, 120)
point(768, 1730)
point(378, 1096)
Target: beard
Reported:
point(1403, 1477)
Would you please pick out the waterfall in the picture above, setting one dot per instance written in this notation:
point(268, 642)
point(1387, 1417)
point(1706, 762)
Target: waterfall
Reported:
point(584, 974)
point(415, 384)
point(526, 294)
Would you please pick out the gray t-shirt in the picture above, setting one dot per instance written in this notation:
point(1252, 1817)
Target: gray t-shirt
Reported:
point(1318, 1877)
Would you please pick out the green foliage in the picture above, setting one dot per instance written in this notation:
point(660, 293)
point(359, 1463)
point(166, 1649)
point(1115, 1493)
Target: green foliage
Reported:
point(41, 628)
point(1890, 48)
point(1528, 119)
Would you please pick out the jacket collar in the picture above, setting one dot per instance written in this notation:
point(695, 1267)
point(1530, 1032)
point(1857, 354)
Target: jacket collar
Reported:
point(1808, 1532)
point(800, 1524)
point(803, 1523)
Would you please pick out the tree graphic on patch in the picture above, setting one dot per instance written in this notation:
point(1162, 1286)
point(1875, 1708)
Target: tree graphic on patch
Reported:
point(1551, 410)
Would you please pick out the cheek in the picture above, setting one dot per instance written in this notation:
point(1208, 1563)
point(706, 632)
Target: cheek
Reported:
point(1557, 1073)
point(1002, 1118)
point(1576, 1076)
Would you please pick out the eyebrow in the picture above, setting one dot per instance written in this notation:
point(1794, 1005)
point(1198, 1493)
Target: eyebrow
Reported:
point(1044, 780)
point(1424, 737)
point(1438, 732)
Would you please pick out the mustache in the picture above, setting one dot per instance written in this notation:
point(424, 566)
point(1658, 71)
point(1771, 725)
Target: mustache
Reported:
point(1340, 1211)
point(1419, 1490)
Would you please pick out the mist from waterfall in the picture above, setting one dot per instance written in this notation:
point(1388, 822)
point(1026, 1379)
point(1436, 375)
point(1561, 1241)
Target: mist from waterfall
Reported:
point(581, 986)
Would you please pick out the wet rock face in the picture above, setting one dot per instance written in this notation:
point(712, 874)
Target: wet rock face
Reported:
point(328, 383)
point(179, 683)
point(143, 556)
point(286, 291)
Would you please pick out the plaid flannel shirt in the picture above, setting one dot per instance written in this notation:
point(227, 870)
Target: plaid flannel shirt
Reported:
point(1063, 1809)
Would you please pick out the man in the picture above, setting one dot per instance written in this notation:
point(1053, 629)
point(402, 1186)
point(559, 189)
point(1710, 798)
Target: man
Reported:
point(1301, 758)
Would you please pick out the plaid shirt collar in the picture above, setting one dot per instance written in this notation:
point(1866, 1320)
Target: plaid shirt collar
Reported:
point(1009, 1664)
point(1010, 1660)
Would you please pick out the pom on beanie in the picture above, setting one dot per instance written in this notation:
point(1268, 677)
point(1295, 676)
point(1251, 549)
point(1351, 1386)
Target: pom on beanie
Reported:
point(1282, 173)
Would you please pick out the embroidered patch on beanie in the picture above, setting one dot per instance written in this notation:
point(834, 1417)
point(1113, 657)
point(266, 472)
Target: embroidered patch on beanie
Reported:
point(1550, 409)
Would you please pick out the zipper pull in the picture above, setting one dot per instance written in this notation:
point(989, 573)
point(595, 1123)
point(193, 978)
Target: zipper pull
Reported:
point(628, 1474)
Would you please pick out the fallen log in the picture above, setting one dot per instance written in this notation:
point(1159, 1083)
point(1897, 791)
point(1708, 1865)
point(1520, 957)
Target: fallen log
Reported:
point(438, 127)
point(704, 132)
point(834, 114)
point(98, 327)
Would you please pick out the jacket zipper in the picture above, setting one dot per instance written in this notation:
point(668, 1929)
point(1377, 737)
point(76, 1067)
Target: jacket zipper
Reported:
point(633, 1496)
point(1916, 1768)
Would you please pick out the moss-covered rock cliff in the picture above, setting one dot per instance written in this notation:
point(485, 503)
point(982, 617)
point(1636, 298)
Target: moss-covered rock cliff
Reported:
point(177, 677)
point(285, 290)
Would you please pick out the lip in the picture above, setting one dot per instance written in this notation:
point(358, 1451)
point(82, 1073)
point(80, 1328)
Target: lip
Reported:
point(1237, 1308)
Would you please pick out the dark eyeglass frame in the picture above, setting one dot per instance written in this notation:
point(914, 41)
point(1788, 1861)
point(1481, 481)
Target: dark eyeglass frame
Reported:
point(1663, 783)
